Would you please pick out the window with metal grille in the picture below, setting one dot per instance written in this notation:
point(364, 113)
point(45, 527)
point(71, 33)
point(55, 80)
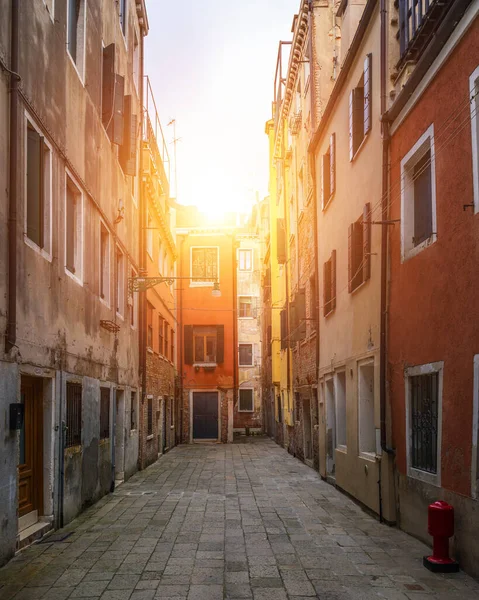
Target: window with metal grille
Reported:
point(204, 264)
point(150, 416)
point(246, 355)
point(246, 400)
point(104, 413)
point(133, 413)
point(245, 307)
point(160, 335)
point(423, 390)
point(167, 343)
point(149, 339)
point(245, 259)
point(73, 415)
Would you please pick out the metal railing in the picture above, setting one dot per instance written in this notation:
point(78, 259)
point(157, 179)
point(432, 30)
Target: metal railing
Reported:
point(153, 132)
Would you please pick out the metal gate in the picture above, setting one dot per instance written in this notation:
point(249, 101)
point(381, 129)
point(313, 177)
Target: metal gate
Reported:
point(205, 415)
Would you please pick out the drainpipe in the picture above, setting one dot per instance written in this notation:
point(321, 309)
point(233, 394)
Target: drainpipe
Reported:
point(11, 337)
point(384, 247)
point(61, 457)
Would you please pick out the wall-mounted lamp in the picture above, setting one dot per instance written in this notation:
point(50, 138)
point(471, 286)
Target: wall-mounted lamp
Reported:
point(216, 292)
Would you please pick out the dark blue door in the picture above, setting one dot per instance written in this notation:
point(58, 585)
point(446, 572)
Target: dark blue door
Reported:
point(205, 415)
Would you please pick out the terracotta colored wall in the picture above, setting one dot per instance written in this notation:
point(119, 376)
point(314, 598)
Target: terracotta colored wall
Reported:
point(434, 308)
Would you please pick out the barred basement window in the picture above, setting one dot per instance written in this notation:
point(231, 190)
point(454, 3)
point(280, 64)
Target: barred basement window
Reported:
point(246, 400)
point(74, 415)
point(104, 413)
point(150, 416)
point(424, 421)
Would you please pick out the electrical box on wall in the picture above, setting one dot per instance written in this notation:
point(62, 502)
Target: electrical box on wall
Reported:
point(17, 412)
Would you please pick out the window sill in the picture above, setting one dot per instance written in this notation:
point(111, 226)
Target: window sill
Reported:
point(359, 287)
point(72, 450)
point(149, 437)
point(412, 252)
point(199, 284)
point(105, 303)
point(245, 411)
point(76, 68)
point(74, 277)
point(329, 201)
point(104, 441)
point(207, 365)
point(424, 476)
point(43, 253)
point(360, 147)
point(370, 456)
point(329, 313)
point(342, 449)
point(246, 318)
point(247, 366)
point(150, 350)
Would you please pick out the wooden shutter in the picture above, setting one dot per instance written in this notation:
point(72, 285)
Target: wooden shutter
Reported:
point(368, 97)
point(220, 344)
point(422, 199)
point(366, 241)
point(127, 153)
point(351, 114)
point(116, 128)
point(333, 279)
point(332, 163)
point(350, 257)
point(108, 84)
point(188, 340)
point(358, 118)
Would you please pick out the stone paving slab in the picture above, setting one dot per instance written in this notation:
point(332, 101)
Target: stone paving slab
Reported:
point(215, 522)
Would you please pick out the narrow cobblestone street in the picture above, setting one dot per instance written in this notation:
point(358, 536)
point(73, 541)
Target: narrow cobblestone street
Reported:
point(208, 522)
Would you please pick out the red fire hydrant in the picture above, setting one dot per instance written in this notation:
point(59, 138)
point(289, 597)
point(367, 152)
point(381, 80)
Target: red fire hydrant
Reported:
point(441, 527)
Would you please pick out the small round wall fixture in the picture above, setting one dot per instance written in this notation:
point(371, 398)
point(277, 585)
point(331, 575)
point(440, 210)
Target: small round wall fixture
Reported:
point(216, 292)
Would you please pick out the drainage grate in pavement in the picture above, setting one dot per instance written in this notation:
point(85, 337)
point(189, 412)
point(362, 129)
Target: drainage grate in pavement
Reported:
point(57, 537)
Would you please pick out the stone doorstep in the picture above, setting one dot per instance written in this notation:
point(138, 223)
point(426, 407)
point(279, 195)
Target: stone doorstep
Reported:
point(32, 534)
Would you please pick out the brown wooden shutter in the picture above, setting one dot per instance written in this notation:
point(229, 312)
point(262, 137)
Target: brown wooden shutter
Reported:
point(127, 153)
point(366, 241)
point(220, 344)
point(351, 114)
point(358, 118)
point(116, 128)
point(325, 288)
point(108, 84)
point(333, 279)
point(368, 97)
point(422, 199)
point(350, 257)
point(332, 163)
point(188, 340)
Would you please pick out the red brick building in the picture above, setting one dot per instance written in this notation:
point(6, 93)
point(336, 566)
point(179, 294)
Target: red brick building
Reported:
point(433, 338)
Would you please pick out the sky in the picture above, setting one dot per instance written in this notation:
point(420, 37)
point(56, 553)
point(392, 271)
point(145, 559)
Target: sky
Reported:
point(211, 66)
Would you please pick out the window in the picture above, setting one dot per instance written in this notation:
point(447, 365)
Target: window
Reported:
point(123, 16)
point(329, 284)
point(418, 196)
point(104, 263)
point(246, 355)
point(74, 229)
point(245, 259)
point(313, 304)
point(204, 345)
point(136, 62)
point(423, 417)
point(328, 166)
point(74, 415)
point(160, 335)
point(149, 236)
point(104, 413)
point(279, 409)
point(360, 105)
point(133, 411)
point(475, 431)
point(149, 417)
point(367, 430)
point(341, 418)
point(474, 96)
point(113, 110)
point(133, 302)
point(172, 346)
point(150, 309)
point(76, 29)
point(38, 189)
point(246, 400)
point(245, 307)
point(120, 282)
point(204, 265)
point(167, 347)
point(359, 263)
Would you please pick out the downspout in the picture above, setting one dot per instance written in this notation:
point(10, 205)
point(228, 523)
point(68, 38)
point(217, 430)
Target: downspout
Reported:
point(315, 314)
point(61, 458)
point(142, 262)
point(384, 247)
point(11, 337)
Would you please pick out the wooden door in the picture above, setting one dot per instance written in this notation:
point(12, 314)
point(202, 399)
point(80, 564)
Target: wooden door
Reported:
point(205, 415)
point(30, 481)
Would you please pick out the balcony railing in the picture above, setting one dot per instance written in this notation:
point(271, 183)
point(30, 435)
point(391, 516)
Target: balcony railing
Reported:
point(418, 21)
point(153, 133)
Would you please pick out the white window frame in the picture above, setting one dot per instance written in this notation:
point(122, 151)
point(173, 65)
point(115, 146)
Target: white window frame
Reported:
point(252, 354)
point(251, 304)
point(341, 447)
point(204, 283)
point(407, 196)
point(106, 300)
point(250, 250)
point(78, 275)
point(370, 454)
point(427, 369)
point(475, 432)
point(475, 135)
point(47, 233)
point(120, 284)
point(242, 410)
point(80, 72)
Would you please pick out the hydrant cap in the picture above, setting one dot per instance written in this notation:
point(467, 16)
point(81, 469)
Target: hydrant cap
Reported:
point(441, 505)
